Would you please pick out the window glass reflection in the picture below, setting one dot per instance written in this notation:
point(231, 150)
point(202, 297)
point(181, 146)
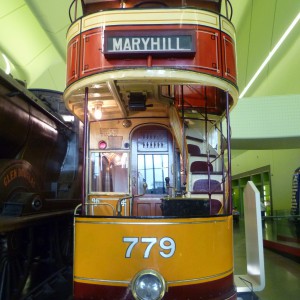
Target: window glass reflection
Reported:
point(109, 172)
point(153, 169)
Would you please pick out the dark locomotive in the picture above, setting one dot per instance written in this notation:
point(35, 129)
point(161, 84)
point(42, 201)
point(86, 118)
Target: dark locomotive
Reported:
point(40, 179)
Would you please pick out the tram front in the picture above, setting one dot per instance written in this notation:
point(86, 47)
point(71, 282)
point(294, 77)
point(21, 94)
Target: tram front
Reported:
point(153, 83)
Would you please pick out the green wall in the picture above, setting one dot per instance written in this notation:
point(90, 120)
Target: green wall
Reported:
point(282, 164)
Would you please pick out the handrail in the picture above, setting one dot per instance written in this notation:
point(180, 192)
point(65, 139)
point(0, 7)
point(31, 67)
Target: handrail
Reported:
point(70, 7)
point(119, 206)
point(76, 208)
point(231, 10)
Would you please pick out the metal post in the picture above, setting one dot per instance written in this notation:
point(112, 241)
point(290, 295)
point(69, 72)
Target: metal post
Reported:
point(228, 154)
point(85, 145)
point(184, 154)
point(75, 15)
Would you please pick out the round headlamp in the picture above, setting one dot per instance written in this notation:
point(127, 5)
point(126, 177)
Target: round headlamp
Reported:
point(148, 285)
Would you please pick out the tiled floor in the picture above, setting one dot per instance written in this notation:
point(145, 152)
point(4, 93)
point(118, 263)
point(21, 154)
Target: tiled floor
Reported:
point(282, 274)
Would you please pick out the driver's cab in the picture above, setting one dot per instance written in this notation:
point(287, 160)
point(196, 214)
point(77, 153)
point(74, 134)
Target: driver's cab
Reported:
point(129, 174)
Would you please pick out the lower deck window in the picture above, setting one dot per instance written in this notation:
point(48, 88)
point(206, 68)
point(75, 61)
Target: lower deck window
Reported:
point(153, 169)
point(109, 172)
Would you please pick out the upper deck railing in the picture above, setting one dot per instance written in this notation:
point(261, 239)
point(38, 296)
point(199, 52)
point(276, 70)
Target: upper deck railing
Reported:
point(91, 6)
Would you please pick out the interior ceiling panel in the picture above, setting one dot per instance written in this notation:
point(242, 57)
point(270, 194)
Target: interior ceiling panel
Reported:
point(33, 39)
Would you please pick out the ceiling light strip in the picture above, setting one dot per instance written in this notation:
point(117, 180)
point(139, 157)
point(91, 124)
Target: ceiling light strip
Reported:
point(7, 63)
point(284, 36)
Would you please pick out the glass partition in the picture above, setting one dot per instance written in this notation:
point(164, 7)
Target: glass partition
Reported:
point(109, 172)
point(282, 232)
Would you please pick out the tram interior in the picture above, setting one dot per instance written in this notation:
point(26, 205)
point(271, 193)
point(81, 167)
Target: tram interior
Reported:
point(164, 165)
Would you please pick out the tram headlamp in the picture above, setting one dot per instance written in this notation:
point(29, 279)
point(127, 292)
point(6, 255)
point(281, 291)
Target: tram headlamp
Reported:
point(148, 285)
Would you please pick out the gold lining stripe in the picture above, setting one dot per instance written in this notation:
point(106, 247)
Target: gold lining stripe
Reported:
point(223, 274)
point(149, 223)
point(101, 280)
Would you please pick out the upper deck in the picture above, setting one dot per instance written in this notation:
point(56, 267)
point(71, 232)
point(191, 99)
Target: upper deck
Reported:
point(121, 48)
point(91, 6)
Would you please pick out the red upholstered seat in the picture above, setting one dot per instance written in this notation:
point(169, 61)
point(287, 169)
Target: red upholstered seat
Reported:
point(208, 186)
point(201, 166)
point(215, 206)
point(193, 149)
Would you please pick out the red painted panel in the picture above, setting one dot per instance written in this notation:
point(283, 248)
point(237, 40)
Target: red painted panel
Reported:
point(215, 54)
point(92, 57)
point(229, 62)
point(203, 98)
point(144, 209)
point(207, 58)
point(208, 50)
point(149, 207)
point(73, 60)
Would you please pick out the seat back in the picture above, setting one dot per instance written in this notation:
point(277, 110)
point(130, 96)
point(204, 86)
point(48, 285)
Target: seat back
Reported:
point(205, 185)
point(193, 149)
point(215, 206)
point(201, 166)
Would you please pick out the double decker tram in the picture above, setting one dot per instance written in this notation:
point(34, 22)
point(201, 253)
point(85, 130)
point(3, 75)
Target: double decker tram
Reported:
point(153, 82)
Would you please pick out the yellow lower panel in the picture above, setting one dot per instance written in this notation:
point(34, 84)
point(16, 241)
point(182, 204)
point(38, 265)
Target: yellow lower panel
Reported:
point(184, 251)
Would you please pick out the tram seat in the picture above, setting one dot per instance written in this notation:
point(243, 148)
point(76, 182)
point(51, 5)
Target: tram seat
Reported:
point(215, 206)
point(207, 186)
point(217, 176)
point(193, 149)
point(201, 166)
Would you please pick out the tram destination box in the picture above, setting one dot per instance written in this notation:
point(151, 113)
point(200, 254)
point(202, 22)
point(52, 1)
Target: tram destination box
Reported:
point(159, 44)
